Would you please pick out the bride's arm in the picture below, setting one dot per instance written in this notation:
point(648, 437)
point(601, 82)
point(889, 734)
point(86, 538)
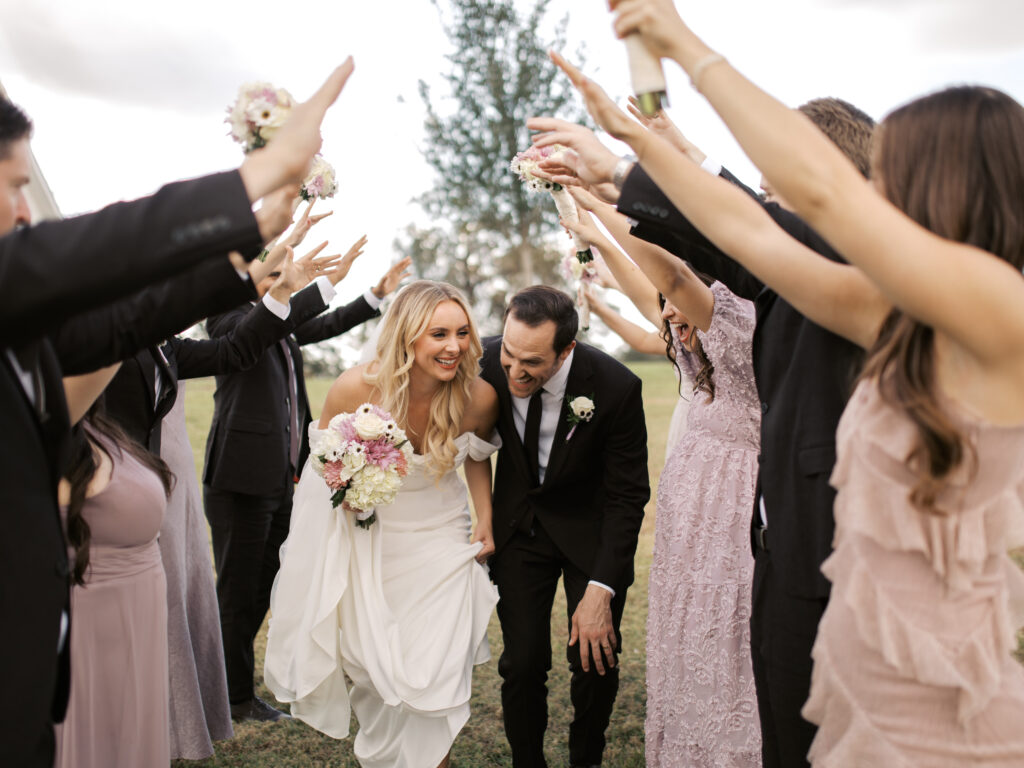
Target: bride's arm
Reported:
point(481, 416)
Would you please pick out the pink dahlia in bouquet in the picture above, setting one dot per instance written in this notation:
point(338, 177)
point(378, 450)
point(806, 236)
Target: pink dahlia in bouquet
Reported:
point(362, 457)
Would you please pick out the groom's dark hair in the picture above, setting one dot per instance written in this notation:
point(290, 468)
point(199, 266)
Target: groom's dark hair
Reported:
point(538, 304)
point(14, 126)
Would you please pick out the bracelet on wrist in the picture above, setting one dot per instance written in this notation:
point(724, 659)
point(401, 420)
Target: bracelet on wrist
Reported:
point(622, 169)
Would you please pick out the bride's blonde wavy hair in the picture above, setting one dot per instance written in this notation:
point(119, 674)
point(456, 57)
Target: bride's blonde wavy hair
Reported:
point(406, 320)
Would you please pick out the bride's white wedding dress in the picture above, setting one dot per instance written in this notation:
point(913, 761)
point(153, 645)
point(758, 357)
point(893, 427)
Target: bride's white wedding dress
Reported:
point(401, 608)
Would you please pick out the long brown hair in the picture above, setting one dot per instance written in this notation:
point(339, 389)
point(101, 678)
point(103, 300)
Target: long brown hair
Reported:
point(704, 380)
point(83, 468)
point(953, 162)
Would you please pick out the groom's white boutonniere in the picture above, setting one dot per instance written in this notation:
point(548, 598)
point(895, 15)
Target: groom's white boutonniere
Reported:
point(580, 409)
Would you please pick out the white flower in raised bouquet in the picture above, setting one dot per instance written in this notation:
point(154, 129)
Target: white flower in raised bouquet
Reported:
point(258, 113)
point(321, 181)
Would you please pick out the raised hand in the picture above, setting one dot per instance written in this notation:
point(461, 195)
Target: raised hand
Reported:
point(287, 158)
point(275, 214)
point(662, 125)
point(396, 274)
point(304, 224)
point(604, 111)
point(657, 22)
point(346, 262)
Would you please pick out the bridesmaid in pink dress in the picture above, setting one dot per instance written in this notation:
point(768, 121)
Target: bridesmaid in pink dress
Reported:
point(701, 702)
point(113, 501)
point(913, 658)
point(701, 705)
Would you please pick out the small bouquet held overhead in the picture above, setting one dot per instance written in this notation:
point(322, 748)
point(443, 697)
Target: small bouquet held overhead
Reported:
point(257, 115)
point(362, 457)
point(524, 164)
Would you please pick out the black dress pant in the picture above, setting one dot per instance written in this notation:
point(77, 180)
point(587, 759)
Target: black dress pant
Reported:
point(782, 632)
point(247, 532)
point(526, 573)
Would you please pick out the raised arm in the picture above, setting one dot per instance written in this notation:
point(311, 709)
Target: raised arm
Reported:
point(81, 391)
point(836, 296)
point(980, 309)
point(639, 339)
point(668, 274)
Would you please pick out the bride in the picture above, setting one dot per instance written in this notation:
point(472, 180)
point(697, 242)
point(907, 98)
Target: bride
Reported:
point(400, 608)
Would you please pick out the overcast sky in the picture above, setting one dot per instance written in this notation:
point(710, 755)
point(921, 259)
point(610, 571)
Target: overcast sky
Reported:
point(127, 95)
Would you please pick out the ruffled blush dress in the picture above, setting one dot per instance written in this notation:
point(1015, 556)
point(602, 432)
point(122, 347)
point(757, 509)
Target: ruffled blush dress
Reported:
point(913, 662)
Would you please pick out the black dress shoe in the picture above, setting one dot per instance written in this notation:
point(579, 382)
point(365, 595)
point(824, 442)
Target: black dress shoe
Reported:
point(257, 709)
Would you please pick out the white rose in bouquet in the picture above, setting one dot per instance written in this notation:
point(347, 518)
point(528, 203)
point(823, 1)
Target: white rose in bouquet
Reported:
point(368, 425)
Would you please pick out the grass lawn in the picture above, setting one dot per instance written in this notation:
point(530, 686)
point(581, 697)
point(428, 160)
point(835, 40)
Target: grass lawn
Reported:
point(482, 741)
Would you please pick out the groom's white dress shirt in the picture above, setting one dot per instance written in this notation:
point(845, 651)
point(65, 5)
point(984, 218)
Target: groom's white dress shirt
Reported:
point(551, 397)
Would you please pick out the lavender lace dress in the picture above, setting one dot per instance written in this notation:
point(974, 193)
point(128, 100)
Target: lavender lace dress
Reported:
point(701, 708)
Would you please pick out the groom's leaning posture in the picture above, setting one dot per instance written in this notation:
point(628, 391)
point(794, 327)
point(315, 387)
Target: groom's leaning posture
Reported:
point(569, 496)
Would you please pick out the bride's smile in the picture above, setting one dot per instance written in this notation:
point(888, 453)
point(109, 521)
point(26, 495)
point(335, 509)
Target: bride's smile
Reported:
point(441, 347)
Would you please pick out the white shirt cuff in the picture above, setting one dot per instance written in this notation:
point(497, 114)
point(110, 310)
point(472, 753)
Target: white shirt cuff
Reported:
point(327, 292)
point(243, 273)
point(602, 586)
point(711, 166)
point(280, 310)
point(372, 300)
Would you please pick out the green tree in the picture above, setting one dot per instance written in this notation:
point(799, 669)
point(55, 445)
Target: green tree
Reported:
point(488, 235)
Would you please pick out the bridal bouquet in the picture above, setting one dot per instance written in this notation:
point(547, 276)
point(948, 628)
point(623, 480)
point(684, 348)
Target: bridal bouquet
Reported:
point(362, 457)
point(321, 180)
point(523, 165)
point(258, 113)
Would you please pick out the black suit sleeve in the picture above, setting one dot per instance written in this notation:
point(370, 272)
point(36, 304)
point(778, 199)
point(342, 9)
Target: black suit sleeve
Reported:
point(116, 331)
point(626, 491)
point(238, 350)
point(661, 223)
point(58, 269)
point(335, 322)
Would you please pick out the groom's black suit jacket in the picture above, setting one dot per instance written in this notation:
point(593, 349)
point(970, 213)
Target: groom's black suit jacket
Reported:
point(248, 444)
point(804, 376)
point(49, 273)
point(591, 502)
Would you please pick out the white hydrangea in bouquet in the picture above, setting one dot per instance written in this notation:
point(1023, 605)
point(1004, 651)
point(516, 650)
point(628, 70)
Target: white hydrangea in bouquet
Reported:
point(258, 113)
point(524, 164)
point(321, 181)
point(581, 274)
point(362, 457)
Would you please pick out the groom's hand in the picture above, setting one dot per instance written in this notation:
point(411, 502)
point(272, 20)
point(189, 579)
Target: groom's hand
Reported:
point(592, 627)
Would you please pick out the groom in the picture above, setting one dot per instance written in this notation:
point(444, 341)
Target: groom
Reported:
point(569, 496)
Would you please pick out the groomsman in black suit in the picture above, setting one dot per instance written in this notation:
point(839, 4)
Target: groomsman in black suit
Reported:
point(804, 376)
point(256, 446)
point(62, 266)
point(569, 496)
point(48, 273)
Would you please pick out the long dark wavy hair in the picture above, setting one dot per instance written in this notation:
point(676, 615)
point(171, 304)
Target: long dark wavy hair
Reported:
point(704, 380)
point(953, 162)
point(97, 431)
